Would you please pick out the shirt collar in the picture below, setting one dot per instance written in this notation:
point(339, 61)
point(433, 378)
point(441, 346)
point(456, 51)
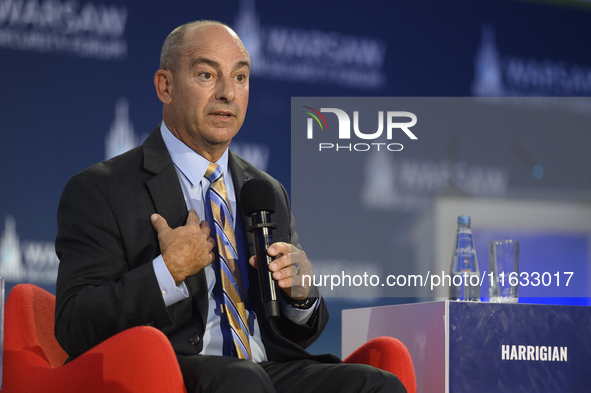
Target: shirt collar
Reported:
point(190, 163)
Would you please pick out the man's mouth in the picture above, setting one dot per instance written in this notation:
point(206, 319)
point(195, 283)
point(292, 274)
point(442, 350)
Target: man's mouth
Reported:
point(222, 114)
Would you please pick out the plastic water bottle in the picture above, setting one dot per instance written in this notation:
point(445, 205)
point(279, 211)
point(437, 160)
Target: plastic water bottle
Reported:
point(464, 265)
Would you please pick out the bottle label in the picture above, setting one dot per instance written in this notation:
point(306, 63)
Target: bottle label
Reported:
point(464, 258)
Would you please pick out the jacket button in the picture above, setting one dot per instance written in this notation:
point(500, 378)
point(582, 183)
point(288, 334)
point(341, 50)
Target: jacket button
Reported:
point(194, 340)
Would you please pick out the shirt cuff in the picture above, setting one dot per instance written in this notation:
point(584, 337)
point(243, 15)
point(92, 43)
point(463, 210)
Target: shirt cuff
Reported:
point(297, 315)
point(171, 293)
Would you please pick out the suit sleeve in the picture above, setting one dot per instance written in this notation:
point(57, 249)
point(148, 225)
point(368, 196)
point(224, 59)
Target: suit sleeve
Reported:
point(98, 292)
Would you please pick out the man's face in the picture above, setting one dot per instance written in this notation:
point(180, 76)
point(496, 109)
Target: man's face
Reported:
point(209, 91)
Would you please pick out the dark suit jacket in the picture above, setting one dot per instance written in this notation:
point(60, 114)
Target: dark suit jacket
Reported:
point(106, 244)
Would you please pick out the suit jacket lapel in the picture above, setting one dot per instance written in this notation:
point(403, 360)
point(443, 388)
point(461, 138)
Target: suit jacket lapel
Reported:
point(167, 194)
point(240, 175)
point(164, 186)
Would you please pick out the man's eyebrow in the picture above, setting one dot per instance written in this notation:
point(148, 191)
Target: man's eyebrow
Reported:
point(241, 64)
point(202, 60)
point(212, 63)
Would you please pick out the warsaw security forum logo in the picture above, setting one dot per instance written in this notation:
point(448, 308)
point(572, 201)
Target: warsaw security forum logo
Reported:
point(88, 30)
point(310, 56)
point(391, 118)
point(30, 261)
point(500, 75)
point(121, 137)
point(11, 259)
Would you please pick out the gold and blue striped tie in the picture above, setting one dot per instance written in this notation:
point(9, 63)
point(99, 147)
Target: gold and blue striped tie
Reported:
point(228, 256)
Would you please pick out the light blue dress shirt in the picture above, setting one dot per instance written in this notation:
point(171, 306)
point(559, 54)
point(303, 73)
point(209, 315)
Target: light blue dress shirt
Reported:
point(191, 168)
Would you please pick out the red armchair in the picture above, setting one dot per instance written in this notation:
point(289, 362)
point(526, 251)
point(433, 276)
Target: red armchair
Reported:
point(140, 359)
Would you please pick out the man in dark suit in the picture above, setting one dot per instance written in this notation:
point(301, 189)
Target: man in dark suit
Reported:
point(130, 253)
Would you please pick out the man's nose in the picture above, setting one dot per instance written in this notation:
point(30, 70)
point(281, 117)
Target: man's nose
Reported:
point(226, 90)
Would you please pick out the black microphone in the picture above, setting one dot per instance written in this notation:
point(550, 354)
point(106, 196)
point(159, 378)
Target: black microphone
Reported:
point(258, 202)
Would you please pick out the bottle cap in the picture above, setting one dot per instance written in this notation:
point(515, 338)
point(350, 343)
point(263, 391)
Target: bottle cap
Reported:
point(464, 220)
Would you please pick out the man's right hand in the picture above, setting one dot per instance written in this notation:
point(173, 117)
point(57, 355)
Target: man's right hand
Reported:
point(186, 249)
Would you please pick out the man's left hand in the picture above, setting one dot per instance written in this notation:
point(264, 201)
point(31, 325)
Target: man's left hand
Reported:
point(289, 267)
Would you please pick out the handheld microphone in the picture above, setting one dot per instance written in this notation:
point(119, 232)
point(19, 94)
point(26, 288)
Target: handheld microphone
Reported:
point(258, 202)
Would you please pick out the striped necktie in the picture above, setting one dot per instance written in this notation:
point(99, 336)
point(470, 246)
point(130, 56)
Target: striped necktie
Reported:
point(230, 273)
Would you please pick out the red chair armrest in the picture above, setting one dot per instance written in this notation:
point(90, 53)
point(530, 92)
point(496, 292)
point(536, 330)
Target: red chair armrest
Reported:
point(140, 359)
point(389, 354)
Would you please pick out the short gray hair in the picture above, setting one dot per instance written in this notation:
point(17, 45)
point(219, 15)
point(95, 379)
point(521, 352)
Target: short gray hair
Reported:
point(171, 53)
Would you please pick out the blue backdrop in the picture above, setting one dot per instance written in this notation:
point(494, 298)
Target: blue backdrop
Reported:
point(77, 88)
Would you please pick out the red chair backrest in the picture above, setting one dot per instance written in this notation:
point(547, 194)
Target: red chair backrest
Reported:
point(139, 359)
point(28, 331)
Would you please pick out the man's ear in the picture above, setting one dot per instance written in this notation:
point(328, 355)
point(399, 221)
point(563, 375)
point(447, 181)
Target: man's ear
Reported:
point(162, 82)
